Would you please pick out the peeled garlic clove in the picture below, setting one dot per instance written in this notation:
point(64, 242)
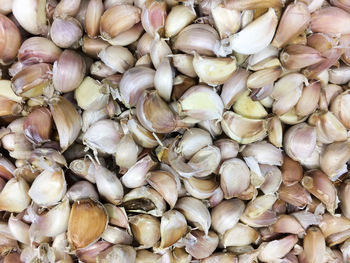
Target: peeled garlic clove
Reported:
point(192, 141)
point(19, 229)
point(294, 194)
point(144, 200)
point(118, 254)
point(163, 79)
point(200, 38)
point(201, 245)
point(253, 4)
point(226, 215)
point(292, 171)
point(68, 71)
point(31, 80)
point(243, 130)
point(141, 136)
point(93, 15)
point(314, 245)
point(48, 188)
point(333, 159)
point(118, 19)
point(277, 249)
point(172, 227)
point(37, 126)
point(297, 15)
point(214, 71)
point(164, 183)
point(67, 121)
point(66, 32)
point(264, 77)
point(246, 107)
point(308, 101)
point(154, 114)
point(117, 58)
point(108, 185)
point(87, 221)
point(226, 20)
point(145, 229)
point(195, 212)
point(82, 190)
point(179, 17)
point(234, 177)
point(287, 224)
point(6, 91)
point(31, 15)
point(134, 82)
point(257, 35)
point(202, 103)
point(264, 153)
point(318, 184)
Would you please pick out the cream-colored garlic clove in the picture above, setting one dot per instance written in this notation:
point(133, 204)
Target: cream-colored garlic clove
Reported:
point(253, 4)
point(206, 161)
point(31, 15)
point(145, 229)
point(277, 249)
point(145, 256)
point(275, 132)
point(116, 235)
point(144, 200)
point(117, 216)
point(264, 153)
point(108, 185)
point(195, 212)
point(127, 37)
point(117, 58)
point(226, 20)
point(66, 32)
point(118, 254)
point(239, 235)
point(294, 21)
point(192, 141)
point(134, 82)
point(181, 256)
point(141, 136)
point(228, 148)
point(200, 188)
point(48, 188)
point(184, 64)
point(243, 130)
point(92, 116)
point(202, 103)
point(67, 121)
point(264, 77)
point(68, 71)
point(137, 173)
point(82, 190)
point(257, 35)
point(19, 229)
point(201, 245)
point(7, 92)
point(6, 7)
point(144, 44)
point(179, 17)
point(172, 227)
point(159, 51)
point(92, 46)
point(153, 16)
point(273, 178)
point(212, 126)
point(234, 177)
point(339, 106)
point(163, 79)
point(294, 194)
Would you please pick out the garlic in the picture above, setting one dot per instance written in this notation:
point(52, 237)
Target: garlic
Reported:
point(90, 117)
point(67, 121)
point(93, 46)
point(308, 100)
point(234, 177)
point(19, 229)
point(179, 17)
point(141, 136)
point(292, 171)
point(339, 75)
point(48, 188)
point(163, 79)
point(275, 133)
point(145, 256)
point(202, 103)
point(144, 61)
point(212, 126)
point(287, 224)
point(256, 36)
point(253, 4)
point(134, 82)
point(239, 235)
point(83, 168)
point(37, 126)
point(6, 6)
point(200, 38)
point(31, 15)
point(224, 257)
point(200, 188)
point(144, 44)
point(127, 37)
point(117, 58)
point(117, 254)
point(90, 253)
point(67, 8)
point(82, 190)
point(87, 221)
point(115, 235)
point(172, 227)
point(294, 194)
point(277, 249)
point(243, 130)
point(146, 229)
point(192, 141)
point(268, 53)
point(118, 19)
point(246, 107)
point(343, 193)
point(195, 212)
point(144, 200)
point(294, 21)
point(184, 64)
point(153, 16)
point(199, 244)
point(7, 169)
point(6, 91)
point(273, 178)
point(264, 77)
point(314, 245)
point(68, 71)
point(66, 32)
point(234, 87)
point(91, 94)
point(117, 216)
point(93, 15)
point(159, 50)
point(264, 153)
point(226, 20)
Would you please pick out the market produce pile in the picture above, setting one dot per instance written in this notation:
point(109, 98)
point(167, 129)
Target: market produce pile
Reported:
point(174, 131)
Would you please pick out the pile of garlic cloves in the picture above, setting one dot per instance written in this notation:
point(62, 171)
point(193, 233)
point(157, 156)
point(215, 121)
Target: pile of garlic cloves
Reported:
point(174, 131)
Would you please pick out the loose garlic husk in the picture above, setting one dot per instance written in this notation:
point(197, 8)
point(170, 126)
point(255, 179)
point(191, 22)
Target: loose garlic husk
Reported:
point(31, 15)
point(173, 25)
point(48, 188)
point(82, 190)
point(256, 36)
point(146, 229)
point(201, 245)
point(91, 94)
point(117, 58)
point(66, 32)
point(87, 221)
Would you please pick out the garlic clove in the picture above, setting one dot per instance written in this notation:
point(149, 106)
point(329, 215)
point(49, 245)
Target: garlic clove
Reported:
point(343, 193)
point(93, 15)
point(68, 71)
point(212, 126)
point(144, 61)
point(159, 50)
point(90, 117)
point(178, 18)
point(146, 229)
point(6, 91)
point(294, 194)
point(206, 160)
point(228, 148)
point(89, 254)
point(296, 14)
point(82, 190)
point(263, 77)
point(226, 20)
point(243, 130)
point(275, 132)
point(117, 253)
point(257, 35)
point(239, 235)
point(145, 256)
point(314, 245)
point(309, 99)
point(274, 250)
point(202, 103)
point(116, 235)
point(126, 152)
point(163, 79)
point(83, 168)
point(195, 212)
point(6, 7)
point(144, 44)
point(87, 221)
point(248, 108)
point(11, 40)
point(264, 153)
point(92, 46)
point(141, 136)
point(292, 171)
point(37, 126)
point(14, 196)
point(7, 169)
point(340, 75)
point(201, 245)
point(117, 58)
point(172, 227)
point(253, 4)
point(19, 229)
point(48, 188)
point(181, 256)
point(66, 32)
point(117, 216)
point(31, 15)
point(153, 16)
point(67, 121)
point(184, 64)
point(273, 178)
point(287, 224)
point(234, 177)
point(67, 8)
point(223, 257)
point(127, 37)
point(200, 188)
